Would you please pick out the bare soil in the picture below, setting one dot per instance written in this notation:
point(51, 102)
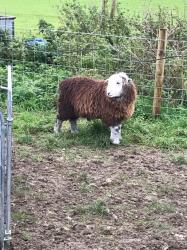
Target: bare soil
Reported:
point(78, 199)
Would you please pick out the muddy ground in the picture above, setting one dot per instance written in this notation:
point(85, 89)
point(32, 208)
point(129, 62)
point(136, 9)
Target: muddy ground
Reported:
point(119, 198)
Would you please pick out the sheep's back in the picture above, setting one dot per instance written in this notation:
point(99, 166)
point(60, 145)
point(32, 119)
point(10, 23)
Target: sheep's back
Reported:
point(82, 93)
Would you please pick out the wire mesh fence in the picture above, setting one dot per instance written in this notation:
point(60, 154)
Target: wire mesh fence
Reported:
point(40, 64)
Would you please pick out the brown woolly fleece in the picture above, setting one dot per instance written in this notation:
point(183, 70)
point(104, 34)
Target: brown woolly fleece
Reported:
point(86, 97)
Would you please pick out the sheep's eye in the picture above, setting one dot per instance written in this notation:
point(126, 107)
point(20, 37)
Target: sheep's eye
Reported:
point(118, 82)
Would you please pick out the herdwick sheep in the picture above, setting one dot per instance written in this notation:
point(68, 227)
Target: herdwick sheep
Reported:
point(110, 100)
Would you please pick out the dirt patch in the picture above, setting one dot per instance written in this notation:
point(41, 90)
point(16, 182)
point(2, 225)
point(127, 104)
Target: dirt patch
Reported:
point(122, 198)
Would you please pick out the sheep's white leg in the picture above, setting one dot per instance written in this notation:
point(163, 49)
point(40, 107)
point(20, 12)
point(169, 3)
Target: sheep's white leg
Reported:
point(73, 126)
point(120, 137)
point(115, 134)
point(57, 126)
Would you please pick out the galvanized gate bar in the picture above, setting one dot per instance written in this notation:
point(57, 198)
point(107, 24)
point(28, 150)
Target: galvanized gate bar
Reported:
point(6, 165)
point(9, 155)
point(2, 174)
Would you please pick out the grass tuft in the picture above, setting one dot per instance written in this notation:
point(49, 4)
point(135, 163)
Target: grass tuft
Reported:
point(22, 217)
point(97, 207)
point(147, 224)
point(179, 159)
point(24, 139)
point(161, 207)
point(26, 236)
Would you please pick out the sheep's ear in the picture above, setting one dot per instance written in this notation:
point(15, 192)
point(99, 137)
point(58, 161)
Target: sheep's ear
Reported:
point(129, 80)
point(124, 80)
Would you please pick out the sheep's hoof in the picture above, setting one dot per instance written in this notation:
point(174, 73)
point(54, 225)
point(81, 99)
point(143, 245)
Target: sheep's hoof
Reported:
point(56, 130)
point(57, 126)
point(74, 131)
point(115, 141)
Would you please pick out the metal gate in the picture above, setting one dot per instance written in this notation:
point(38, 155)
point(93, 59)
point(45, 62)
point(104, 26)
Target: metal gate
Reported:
point(6, 164)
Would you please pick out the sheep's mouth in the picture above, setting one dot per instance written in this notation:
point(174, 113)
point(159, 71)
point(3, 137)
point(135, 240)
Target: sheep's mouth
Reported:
point(118, 98)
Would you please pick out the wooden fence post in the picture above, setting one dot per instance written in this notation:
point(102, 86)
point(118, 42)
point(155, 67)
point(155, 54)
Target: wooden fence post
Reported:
point(104, 6)
point(159, 75)
point(103, 13)
point(113, 9)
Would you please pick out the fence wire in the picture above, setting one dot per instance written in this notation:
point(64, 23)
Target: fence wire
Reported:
point(99, 56)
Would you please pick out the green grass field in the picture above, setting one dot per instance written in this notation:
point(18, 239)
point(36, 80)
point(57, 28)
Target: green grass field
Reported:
point(28, 13)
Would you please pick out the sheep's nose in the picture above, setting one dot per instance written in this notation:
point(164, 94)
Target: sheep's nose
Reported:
point(130, 80)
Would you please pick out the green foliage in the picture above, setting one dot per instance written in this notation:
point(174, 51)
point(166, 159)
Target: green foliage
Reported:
point(5, 46)
point(3, 79)
point(89, 19)
point(36, 89)
point(43, 26)
point(17, 50)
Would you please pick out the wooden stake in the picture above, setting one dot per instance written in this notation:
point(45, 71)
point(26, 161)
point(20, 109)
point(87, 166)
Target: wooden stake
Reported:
point(113, 9)
point(103, 13)
point(159, 76)
point(104, 6)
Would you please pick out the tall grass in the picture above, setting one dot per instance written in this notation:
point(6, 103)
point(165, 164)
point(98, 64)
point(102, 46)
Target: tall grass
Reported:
point(36, 128)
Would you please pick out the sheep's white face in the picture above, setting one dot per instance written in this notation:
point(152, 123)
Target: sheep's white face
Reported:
point(115, 84)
